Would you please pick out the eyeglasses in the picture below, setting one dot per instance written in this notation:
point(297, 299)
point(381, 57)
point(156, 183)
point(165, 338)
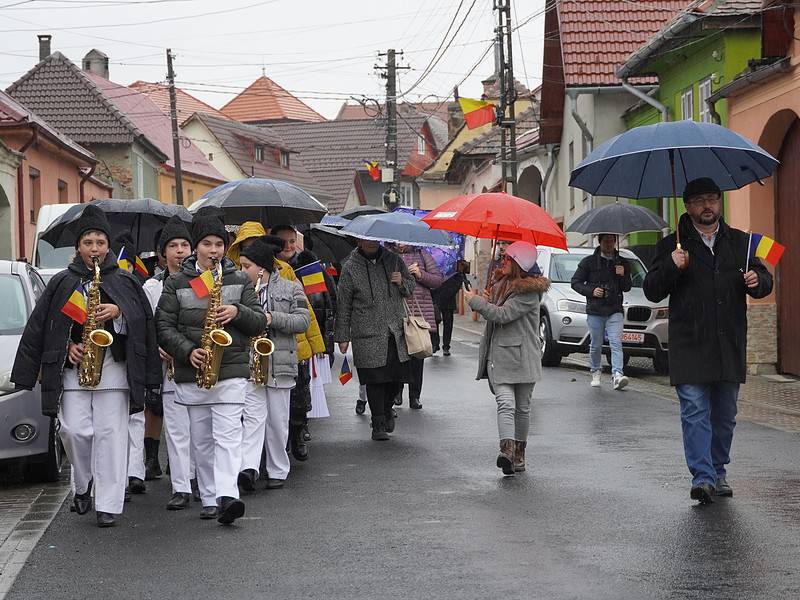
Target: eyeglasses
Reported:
point(704, 199)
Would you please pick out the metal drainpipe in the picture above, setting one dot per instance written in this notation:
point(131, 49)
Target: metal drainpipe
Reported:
point(552, 151)
point(21, 191)
point(84, 178)
point(573, 94)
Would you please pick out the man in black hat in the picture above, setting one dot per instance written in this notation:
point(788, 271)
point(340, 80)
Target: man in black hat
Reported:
point(215, 414)
point(707, 289)
point(94, 420)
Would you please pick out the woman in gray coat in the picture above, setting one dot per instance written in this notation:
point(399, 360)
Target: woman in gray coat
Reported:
point(510, 354)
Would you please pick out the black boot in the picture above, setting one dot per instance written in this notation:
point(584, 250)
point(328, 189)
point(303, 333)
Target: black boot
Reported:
point(247, 480)
point(152, 468)
point(298, 446)
point(390, 417)
point(230, 509)
point(179, 501)
point(83, 502)
point(195, 490)
point(105, 519)
point(379, 429)
point(136, 485)
point(414, 403)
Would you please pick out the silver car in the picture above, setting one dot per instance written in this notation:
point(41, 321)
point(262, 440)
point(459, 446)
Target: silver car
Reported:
point(27, 438)
point(564, 328)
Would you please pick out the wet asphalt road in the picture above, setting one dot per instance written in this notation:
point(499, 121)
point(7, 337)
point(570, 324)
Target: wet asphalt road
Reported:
point(603, 512)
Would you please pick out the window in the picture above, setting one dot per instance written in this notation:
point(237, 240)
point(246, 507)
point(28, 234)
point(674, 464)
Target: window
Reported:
point(406, 195)
point(259, 153)
point(63, 192)
point(284, 159)
point(687, 104)
point(571, 169)
point(15, 305)
point(420, 145)
point(705, 94)
point(139, 177)
point(35, 179)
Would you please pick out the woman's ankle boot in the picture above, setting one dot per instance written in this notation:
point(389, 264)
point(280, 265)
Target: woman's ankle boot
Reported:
point(519, 456)
point(505, 460)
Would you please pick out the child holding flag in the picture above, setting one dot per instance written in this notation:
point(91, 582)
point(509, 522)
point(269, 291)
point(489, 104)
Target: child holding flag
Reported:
point(94, 422)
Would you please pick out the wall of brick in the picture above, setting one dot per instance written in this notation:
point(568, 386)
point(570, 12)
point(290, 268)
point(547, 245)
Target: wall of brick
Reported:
point(762, 338)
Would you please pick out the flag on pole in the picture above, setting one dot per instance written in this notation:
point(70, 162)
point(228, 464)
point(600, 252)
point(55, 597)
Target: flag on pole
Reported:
point(203, 284)
point(122, 259)
point(374, 170)
point(763, 247)
point(346, 374)
point(139, 266)
point(477, 112)
point(75, 308)
point(312, 277)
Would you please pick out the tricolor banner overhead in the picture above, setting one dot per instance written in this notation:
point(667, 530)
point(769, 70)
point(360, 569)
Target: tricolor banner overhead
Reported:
point(477, 112)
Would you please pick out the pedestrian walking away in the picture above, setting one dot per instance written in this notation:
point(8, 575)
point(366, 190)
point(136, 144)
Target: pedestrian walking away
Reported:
point(603, 278)
point(208, 294)
point(707, 290)
point(510, 352)
point(373, 285)
point(90, 387)
point(445, 296)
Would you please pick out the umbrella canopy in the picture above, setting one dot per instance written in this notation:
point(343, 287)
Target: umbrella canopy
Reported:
point(328, 243)
point(334, 221)
point(397, 227)
point(498, 216)
point(640, 163)
point(269, 201)
point(142, 218)
point(619, 219)
point(358, 211)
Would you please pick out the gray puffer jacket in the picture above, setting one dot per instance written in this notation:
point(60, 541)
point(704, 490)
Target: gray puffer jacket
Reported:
point(430, 278)
point(180, 317)
point(286, 301)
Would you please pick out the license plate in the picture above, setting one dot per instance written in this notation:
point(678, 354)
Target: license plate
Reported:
point(632, 338)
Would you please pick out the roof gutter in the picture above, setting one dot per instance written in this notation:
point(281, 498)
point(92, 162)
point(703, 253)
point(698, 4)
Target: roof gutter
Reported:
point(21, 191)
point(744, 81)
point(638, 59)
point(84, 178)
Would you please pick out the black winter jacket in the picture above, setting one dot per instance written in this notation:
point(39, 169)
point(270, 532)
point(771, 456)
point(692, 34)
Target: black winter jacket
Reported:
point(180, 317)
point(707, 308)
point(323, 303)
point(596, 271)
point(45, 340)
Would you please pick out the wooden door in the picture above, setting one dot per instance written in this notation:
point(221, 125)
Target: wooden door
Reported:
point(787, 220)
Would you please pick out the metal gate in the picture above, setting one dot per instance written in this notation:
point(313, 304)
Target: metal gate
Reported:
point(787, 219)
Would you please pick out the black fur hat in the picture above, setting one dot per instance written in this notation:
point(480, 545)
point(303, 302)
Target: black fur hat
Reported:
point(203, 226)
point(91, 219)
point(262, 253)
point(175, 229)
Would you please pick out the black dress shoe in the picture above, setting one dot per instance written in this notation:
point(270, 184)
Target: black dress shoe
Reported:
point(446, 352)
point(299, 448)
point(724, 488)
point(195, 490)
point(128, 493)
point(247, 480)
point(275, 484)
point(414, 403)
point(136, 485)
point(230, 509)
point(82, 503)
point(305, 433)
point(208, 512)
point(361, 406)
point(179, 501)
point(105, 519)
point(703, 493)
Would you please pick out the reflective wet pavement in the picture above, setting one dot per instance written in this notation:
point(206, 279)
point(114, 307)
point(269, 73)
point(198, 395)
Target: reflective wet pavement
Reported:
point(603, 512)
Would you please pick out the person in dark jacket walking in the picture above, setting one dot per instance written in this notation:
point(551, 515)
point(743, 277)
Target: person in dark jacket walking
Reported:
point(215, 414)
point(94, 421)
point(445, 298)
point(372, 286)
point(603, 278)
point(707, 288)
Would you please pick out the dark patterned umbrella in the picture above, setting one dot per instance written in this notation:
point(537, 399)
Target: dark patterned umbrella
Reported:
point(619, 219)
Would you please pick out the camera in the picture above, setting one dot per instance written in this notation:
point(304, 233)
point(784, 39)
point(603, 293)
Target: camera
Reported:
point(463, 266)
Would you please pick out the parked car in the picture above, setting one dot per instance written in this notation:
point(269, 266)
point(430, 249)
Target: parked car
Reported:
point(27, 438)
point(564, 329)
point(47, 259)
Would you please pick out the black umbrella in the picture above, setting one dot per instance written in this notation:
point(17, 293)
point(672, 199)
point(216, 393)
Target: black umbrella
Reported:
point(268, 201)
point(141, 217)
point(359, 211)
point(619, 219)
point(328, 243)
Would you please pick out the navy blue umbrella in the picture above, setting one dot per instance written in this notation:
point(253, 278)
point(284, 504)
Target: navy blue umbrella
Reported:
point(397, 227)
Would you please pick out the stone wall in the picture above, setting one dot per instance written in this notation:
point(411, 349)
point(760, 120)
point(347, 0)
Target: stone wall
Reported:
point(762, 338)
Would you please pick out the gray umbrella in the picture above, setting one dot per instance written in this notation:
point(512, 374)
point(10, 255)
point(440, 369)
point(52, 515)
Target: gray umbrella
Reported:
point(397, 227)
point(268, 201)
point(360, 211)
point(619, 219)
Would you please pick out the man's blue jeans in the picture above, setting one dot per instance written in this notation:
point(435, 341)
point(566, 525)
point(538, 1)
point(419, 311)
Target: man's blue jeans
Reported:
point(708, 417)
point(598, 325)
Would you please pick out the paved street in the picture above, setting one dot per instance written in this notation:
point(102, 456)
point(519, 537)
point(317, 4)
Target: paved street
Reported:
point(603, 512)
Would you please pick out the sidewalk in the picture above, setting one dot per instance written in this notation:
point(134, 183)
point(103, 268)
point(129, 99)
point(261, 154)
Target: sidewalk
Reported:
point(773, 401)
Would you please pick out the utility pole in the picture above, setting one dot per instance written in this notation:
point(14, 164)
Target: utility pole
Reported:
point(176, 141)
point(389, 172)
point(506, 117)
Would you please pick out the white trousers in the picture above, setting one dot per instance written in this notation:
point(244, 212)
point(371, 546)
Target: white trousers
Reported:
point(94, 429)
point(265, 424)
point(136, 445)
point(176, 429)
point(216, 434)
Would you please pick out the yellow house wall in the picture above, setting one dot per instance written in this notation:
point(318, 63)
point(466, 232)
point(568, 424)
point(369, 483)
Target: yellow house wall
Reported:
point(193, 188)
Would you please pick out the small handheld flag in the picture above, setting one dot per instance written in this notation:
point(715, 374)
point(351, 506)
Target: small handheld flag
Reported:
point(312, 278)
point(331, 270)
point(346, 374)
point(374, 171)
point(477, 112)
point(122, 259)
point(203, 284)
point(75, 308)
point(763, 247)
point(140, 267)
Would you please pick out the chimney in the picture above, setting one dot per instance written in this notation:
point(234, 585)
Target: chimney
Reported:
point(455, 119)
point(44, 46)
point(96, 62)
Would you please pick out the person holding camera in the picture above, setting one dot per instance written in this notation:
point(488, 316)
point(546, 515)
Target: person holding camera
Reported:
point(603, 277)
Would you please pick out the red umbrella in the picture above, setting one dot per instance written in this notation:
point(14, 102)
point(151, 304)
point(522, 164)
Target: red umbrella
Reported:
point(498, 216)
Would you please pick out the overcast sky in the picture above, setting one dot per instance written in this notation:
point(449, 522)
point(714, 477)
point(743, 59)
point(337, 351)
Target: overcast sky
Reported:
point(323, 51)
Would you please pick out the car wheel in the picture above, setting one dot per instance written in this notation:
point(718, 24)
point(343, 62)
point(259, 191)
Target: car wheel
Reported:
point(49, 469)
point(661, 363)
point(551, 357)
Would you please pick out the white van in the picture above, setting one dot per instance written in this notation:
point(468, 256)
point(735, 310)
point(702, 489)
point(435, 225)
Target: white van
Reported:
point(46, 259)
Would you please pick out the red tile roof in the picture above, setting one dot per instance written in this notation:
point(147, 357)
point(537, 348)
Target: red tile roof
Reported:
point(187, 104)
point(350, 111)
point(265, 101)
point(598, 36)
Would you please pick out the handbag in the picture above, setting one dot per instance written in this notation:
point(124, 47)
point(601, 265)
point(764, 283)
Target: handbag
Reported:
point(417, 332)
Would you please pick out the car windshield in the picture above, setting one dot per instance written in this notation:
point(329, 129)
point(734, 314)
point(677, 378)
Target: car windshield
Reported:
point(48, 257)
point(15, 308)
point(563, 267)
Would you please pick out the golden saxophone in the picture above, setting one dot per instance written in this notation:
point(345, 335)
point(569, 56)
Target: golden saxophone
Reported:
point(261, 347)
point(95, 339)
point(215, 339)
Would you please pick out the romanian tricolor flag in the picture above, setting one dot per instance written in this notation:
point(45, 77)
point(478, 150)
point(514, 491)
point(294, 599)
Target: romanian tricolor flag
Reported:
point(123, 260)
point(763, 247)
point(374, 170)
point(203, 284)
point(139, 266)
point(331, 270)
point(346, 374)
point(75, 308)
point(312, 277)
point(477, 112)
